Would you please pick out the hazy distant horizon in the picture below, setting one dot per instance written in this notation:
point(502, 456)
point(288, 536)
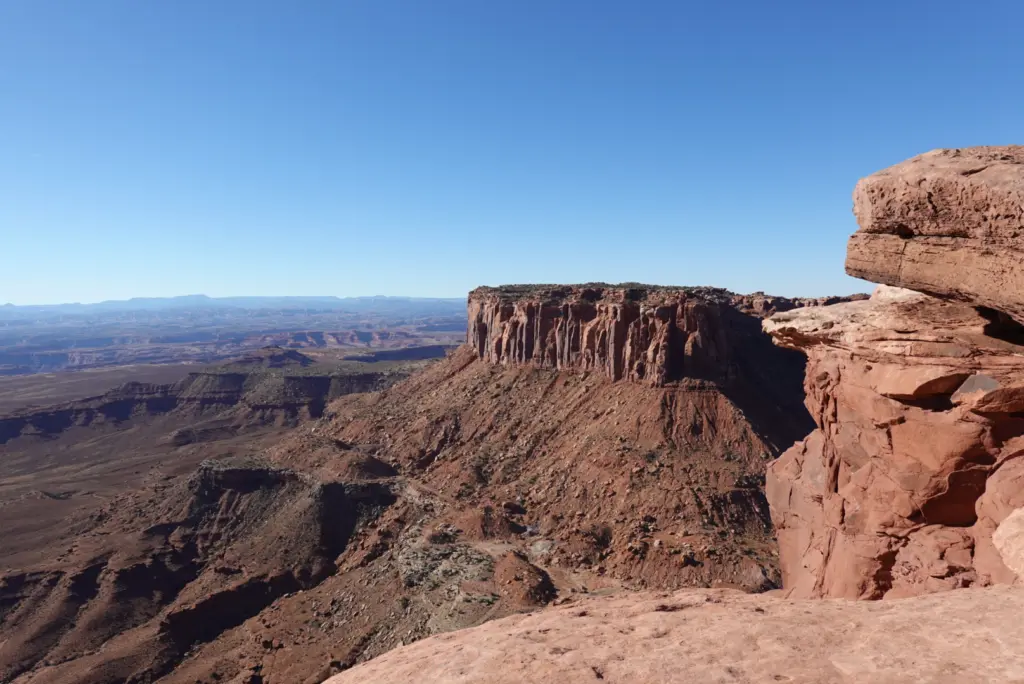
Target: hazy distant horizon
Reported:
point(867, 287)
point(856, 286)
point(208, 298)
point(402, 148)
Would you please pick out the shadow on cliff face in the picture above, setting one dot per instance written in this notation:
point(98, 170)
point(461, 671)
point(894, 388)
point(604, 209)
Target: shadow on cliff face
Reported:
point(1001, 326)
point(655, 337)
point(765, 382)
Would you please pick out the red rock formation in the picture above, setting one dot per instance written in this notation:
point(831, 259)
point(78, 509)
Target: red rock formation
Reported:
point(899, 490)
point(646, 334)
point(948, 223)
point(911, 480)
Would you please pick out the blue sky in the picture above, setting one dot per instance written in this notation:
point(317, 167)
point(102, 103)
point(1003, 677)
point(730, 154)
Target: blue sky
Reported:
point(424, 147)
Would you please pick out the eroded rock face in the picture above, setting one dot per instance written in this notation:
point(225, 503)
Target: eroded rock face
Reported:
point(710, 636)
point(647, 334)
point(949, 223)
point(918, 456)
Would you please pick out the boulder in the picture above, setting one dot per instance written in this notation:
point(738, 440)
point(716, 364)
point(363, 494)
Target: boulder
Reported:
point(949, 223)
point(1009, 541)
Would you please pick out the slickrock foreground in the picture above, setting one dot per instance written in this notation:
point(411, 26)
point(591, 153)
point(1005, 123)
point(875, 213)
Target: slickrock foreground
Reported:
point(724, 636)
point(949, 223)
point(918, 453)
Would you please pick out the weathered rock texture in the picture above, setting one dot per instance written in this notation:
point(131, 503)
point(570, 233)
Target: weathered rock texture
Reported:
point(648, 334)
point(911, 480)
point(918, 455)
point(724, 636)
point(1009, 541)
point(949, 223)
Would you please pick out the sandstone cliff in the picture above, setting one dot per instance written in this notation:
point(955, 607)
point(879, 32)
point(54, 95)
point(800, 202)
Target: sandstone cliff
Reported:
point(654, 335)
point(918, 455)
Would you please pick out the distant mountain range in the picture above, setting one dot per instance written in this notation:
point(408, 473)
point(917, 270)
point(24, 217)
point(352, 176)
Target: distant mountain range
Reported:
point(199, 301)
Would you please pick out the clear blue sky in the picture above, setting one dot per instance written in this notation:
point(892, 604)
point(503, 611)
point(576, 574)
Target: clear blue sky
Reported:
point(159, 147)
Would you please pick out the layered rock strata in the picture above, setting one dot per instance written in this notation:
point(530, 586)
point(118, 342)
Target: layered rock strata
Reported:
point(265, 397)
point(918, 452)
point(647, 334)
point(911, 480)
point(949, 223)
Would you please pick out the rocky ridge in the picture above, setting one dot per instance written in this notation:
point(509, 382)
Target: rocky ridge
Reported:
point(129, 607)
point(270, 386)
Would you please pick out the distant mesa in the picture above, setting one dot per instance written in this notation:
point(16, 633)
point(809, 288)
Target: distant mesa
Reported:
point(420, 353)
point(273, 357)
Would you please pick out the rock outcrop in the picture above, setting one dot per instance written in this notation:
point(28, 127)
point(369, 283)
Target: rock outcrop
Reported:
point(643, 333)
point(725, 636)
point(918, 455)
point(949, 223)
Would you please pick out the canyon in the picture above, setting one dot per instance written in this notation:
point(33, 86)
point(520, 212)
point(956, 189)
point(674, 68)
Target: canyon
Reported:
point(61, 463)
point(909, 489)
point(199, 329)
point(605, 482)
point(488, 487)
